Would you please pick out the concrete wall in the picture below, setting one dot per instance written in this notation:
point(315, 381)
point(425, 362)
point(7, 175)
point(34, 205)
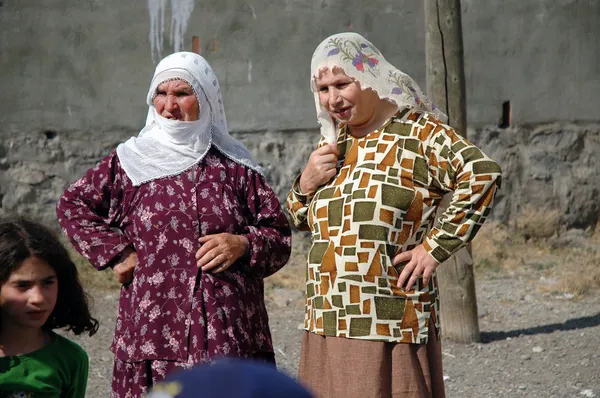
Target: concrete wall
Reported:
point(85, 64)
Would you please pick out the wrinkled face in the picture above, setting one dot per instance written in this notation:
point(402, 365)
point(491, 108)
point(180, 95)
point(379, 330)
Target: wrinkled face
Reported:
point(28, 296)
point(344, 100)
point(176, 100)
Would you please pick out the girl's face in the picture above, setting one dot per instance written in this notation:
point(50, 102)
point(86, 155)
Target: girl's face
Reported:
point(28, 296)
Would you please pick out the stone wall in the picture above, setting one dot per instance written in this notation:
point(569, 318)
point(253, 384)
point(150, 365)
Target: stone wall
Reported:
point(552, 167)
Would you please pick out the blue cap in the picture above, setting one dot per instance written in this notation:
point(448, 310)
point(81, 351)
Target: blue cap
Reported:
point(231, 378)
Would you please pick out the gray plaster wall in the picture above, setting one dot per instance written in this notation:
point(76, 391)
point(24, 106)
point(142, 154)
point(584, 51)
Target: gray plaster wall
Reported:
point(85, 65)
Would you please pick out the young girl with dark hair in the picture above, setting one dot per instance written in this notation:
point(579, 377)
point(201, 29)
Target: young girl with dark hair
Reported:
point(40, 291)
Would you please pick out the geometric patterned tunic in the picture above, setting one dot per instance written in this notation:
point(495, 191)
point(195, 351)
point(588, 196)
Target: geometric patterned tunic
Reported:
point(381, 202)
point(172, 311)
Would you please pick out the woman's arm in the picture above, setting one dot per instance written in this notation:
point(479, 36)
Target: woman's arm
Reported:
point(89, 213)
point(473, 178)
point(457, 166)
point(268, 233)
point(297, 205)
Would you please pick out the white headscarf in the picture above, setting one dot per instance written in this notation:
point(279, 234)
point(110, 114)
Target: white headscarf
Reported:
point(167, 147)
point(362, 61)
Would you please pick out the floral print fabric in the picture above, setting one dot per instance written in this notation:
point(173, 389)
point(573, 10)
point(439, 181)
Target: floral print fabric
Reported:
point(171, 310)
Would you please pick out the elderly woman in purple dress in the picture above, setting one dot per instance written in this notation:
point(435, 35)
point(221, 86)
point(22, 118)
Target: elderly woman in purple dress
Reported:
point(190, 227)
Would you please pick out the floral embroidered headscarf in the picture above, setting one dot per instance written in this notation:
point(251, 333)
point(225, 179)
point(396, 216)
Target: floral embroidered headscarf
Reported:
point(362, 61)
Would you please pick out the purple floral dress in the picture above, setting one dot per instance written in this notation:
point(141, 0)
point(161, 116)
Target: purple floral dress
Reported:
point(172, 311)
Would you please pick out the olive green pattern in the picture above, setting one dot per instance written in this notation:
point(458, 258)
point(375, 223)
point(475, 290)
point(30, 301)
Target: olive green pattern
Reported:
point(382, 202)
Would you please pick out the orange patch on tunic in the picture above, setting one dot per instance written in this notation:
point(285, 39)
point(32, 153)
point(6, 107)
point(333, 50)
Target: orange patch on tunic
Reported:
point(354, 294)
point(351, 266)
point(342, 176)
point(407, 163)
point(363, 257)
point(404, 234)
point(375, 269)
point(410, 320)
point(426, 245)
point(415, 211)
point(322, 212)
point(348, 240)
point(346, 226)
point(477, 189)
point(425, 131)
point(324, 229)
point(390, 158)
point(366, 307)
point(463, 230)
point(372, 192)
point(485, 177)
point(297, 206)
point(352, 155)
point(387, 216)
point(407, 180)
point(464, 197)
point(383, 329)
point(328, 262)
point(465, 177)
point(486, 199)
point(364, 180)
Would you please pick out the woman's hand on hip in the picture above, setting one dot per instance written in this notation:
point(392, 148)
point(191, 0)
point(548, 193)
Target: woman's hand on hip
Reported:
point(320, 168)
point(124, 268)
point(420, 262)
point(219, 251)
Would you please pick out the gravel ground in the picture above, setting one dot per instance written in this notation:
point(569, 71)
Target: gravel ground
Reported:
point(533, 344)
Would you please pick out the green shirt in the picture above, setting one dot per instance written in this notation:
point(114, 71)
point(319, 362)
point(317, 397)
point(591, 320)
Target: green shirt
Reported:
point(59, 369)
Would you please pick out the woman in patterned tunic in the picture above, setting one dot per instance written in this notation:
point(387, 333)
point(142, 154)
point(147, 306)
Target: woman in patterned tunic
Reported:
point(369, 195)
point(189, 225)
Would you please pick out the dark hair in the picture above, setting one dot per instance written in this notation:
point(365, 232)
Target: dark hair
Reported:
point(21, 239)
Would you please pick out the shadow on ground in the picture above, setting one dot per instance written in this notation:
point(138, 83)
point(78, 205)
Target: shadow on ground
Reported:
point(571, 324)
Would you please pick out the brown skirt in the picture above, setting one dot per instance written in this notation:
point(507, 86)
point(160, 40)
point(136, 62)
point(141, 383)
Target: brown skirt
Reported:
point(337, 367)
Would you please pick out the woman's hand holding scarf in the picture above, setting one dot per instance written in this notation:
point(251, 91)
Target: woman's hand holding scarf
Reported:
point(321, 167)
